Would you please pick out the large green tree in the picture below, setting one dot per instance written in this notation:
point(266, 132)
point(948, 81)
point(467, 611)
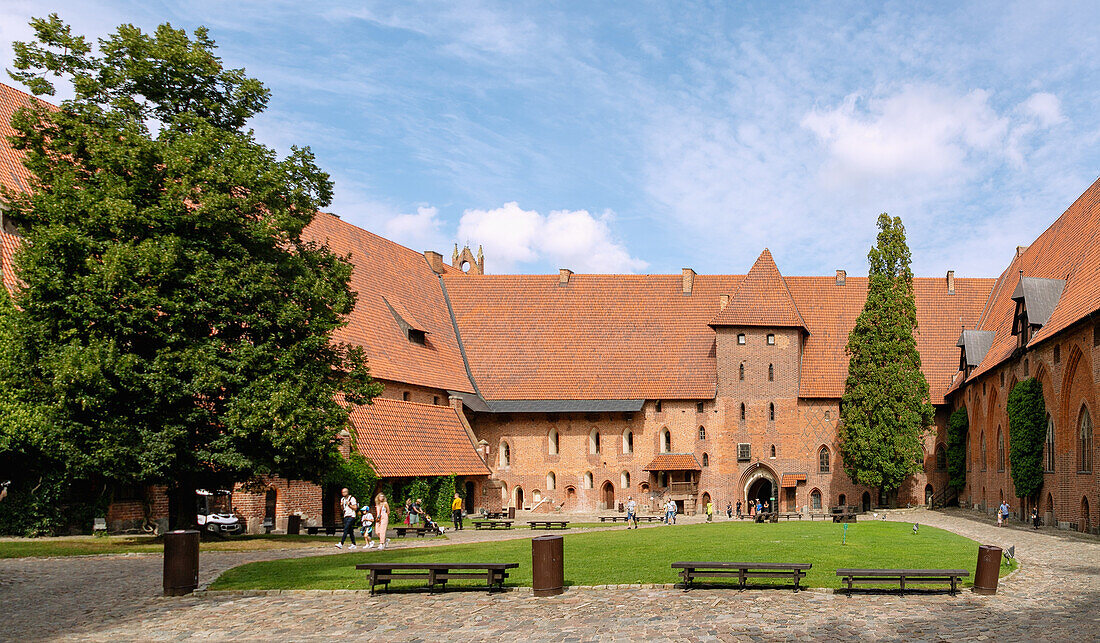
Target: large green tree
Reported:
point(885, 409)
point(172, 324)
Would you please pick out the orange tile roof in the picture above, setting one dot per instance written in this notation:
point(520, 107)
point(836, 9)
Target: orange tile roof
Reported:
point(404, 439)
point(388, 272)
point(762, 299)
point(1069, 249)
point(673, 462)
point(791, 479)
point(12, 172)
point(639, 337)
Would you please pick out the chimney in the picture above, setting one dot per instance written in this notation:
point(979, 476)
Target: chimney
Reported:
point(435, 261)
point(563, 276)
point(723, 301)
point(841, 276)
point(951, 282)
point(688, 280)
point(1020, 250)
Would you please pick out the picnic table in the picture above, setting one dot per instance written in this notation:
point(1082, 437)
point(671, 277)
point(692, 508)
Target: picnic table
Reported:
point(492, 524)
point(689, 571)
point(902, 576)
point(437, 573)
point(548, 524)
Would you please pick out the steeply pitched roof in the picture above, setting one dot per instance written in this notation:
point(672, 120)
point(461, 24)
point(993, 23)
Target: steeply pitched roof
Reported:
point(761, 299)
point(1040, 296)
point(975, 344)
point(1068, 250)
point(388, 275)
point(673, 462)
point(404, 439)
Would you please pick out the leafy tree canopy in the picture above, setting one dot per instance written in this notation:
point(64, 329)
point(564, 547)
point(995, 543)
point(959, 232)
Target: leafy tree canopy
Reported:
point(172, 324)
point(885, 408)
point(1027, 422)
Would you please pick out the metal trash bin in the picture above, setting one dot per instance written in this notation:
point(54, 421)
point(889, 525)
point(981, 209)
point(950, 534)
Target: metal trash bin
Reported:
point(547, 565)
point(293, 525)
point(181, 562)
point(989, 570)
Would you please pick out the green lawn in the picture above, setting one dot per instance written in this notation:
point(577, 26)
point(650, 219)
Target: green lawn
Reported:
point(86, 545)
point(645, 555)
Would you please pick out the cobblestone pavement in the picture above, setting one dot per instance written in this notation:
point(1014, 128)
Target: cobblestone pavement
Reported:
point(1055, 596)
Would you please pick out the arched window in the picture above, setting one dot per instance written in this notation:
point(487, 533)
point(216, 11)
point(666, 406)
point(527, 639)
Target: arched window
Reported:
point(941, 458)
point(742, 410)
point(594, 441)
point(624, 480)
point(1049, 460)
point(505, 454)
point(552, 442)
point(706, 460)
point(982, 446)
point(815, 500)
point(551, 481)
point(702, 433)
point(666, 441)
point(771, 372)
point(404, 396)
point(1085, 440)
point(773, 450)
point(1000, 450)
point(771, 411)
point(741, 372)
point(823, 460)
point(628, 441)
point(587, 480)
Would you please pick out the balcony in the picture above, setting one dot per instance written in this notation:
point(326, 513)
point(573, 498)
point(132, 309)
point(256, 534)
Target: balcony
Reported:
point(683, 489)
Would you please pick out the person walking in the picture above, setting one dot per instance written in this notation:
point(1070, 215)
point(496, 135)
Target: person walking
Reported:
point(709, 509)
point(672, 510)
point(631, 515)
point(368, 527)
point(738, 509)
point(456, 511)
point(417, 509)
point(729, 511)
point(348, 506)
point(1004, 510)
point(383, 521)
point(408, 511)
point(1035, 517)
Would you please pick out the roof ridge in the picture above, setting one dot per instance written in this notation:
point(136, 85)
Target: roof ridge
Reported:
point(447, 407)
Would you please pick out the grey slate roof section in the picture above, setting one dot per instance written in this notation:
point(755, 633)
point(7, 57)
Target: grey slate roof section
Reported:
point(976, 343)
point(565, 406)
point(473, 401)
point(1040, 296)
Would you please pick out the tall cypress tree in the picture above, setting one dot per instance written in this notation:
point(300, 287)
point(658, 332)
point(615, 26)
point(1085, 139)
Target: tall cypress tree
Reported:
point(885, 409)
point(172, 325)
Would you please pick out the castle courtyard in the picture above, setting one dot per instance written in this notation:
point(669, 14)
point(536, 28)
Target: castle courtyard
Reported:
point(1055, 595)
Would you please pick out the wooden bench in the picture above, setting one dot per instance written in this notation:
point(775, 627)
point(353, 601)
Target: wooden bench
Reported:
point(548, 524)
point(791, 516)
point(330, 530)
point(902, 576)
point(623, 518)
point(689, 571)
point(417, 530)
point(437, 573)
point(821, 516)
point(492, 524)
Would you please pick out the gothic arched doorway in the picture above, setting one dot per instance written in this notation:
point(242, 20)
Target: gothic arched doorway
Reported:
point(607, 495)
point(928, 494)
point(762, 490)
point(519, 497)
point(759, 482)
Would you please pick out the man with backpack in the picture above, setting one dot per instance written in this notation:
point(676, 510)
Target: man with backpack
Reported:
point(348, 506)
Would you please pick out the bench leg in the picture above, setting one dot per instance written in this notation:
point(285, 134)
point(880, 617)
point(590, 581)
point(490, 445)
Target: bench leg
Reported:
point(797, 576)
point(953, 581)
point(902, 585)
point(849, 586)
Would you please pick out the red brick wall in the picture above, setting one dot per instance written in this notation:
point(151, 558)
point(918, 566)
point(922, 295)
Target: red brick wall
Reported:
point(1068, 384)
point(292, 497)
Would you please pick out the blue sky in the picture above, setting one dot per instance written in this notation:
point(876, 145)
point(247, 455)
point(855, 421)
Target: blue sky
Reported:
point(639, 137)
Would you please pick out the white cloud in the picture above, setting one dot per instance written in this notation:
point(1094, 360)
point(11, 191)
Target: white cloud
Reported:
point(419, 231)
point(1044, 107)
point(921, 131)
point(574, 239)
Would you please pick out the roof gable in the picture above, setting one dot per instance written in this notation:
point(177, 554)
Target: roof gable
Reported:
point(762, 299)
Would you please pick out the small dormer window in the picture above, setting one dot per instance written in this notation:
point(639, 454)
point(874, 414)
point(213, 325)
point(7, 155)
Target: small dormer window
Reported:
point(417, 336)
point(741, 338)
point(771, 339)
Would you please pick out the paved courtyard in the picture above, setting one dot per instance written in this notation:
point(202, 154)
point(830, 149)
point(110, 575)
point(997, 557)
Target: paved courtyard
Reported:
point(1055, 596)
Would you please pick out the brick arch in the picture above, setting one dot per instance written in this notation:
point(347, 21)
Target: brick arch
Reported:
point(1077, 389)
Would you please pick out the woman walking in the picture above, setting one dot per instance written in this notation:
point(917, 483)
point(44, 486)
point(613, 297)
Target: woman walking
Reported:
point(383, 520)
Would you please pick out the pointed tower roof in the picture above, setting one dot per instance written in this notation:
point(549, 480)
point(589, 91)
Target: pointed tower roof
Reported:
point(762, 299)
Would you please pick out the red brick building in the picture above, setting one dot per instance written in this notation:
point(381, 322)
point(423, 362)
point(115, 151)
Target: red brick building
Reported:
point(573, 392)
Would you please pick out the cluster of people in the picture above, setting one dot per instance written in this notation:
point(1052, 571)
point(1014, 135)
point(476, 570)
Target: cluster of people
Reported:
point(378, 521)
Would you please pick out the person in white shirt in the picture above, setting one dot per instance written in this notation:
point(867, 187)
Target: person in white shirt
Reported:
point(631, 515)
point(349, 505)
point(368, 527)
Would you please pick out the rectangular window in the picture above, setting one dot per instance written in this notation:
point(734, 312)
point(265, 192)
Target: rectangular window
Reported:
point(741, 338)
point(417, 336)
point(771, 339)
point(699, 407)
point(744, 452)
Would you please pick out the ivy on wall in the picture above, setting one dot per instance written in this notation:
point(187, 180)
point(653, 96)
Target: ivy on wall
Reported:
point(1027, 419)
point(957, 426)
